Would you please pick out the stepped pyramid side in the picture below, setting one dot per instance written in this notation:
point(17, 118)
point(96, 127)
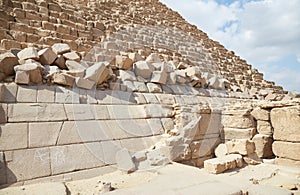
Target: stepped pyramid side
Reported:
point(84, 24)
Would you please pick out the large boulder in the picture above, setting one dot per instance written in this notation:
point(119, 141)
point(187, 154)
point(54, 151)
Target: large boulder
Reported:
point(29, 73)
point(28, 53)
point(99, 72)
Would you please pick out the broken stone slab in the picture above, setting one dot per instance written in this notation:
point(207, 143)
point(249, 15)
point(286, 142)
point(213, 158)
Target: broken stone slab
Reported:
point(193, 71)
point(7, 62)
point(263, 145)
point(240, 146)
point(124, 161)
point(84, 83)
point(28, 53)
point(99, 72)
point(252, 159)
point(27, 73)
point(158, 157)
point(63, 79)
point(159, 77)
point(143, 69)
point(127, 75)
point(60, 48)
point(261, 114)
point(47, 56)
point(140, 156)
point(72, 56)
point(221, 164)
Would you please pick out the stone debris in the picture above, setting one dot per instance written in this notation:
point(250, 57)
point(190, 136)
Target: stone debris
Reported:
point(219, 165)
point(7, 63)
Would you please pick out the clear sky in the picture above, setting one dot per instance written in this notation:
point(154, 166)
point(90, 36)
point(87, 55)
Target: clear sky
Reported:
point(266, 33)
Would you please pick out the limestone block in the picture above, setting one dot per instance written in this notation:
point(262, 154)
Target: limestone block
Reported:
point(261, 114)
point(252, 159)
point(50, 71)
point(135, 57)
point(47, 56)
point(63, 79)
point(139, 98)
point(38, 112)
point(151, 98)
point(209, 124)
point(67, 95)
point(287, 162)
point(154, 88)
point(158, 157)
point(45, 94)
point(219, 165)
point(286, 123)
point(76, 157)
point(79, 112)
point(155, 126)
point(7, 63)
point(28, 53)
point(101, 112)
point(82, 131)
point(127, 75)
point(39, 136)
point(158, 111)
point(117, 129)
point(159, 77)
point(130, 87)
point(60, 62)
point(3, 113)
point(286, 150)
point(99, 72)
point(73, 65)
point(123, 62)
point(9, 93)
point(140, 86)
point(234, 133)
point(46, 188)
point(203, 147)
point(143, 69)
point(180, 153)
point(84, 83)
point(126, 111)
point(71, 56)
point(263, 145)
point(153, 58)
point(168, 124)
point(13, 136)
point(166, 98)
point(266, 189)
point(233, 121)
point(221, 150)
point(20, 167)
point(33, 70)
point(110, 148)
point(60, 48)
point(240, 146)
point(264, 127)
point(124, 161)
point(27, 94)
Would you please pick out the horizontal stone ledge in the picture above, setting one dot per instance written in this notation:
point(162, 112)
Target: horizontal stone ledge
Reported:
point(287, 150)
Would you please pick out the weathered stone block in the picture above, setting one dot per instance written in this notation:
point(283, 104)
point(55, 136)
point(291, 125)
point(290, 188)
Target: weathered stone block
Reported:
point(127, 75)
point(20, 167)
point(287, 162)
point(233, 133)
point(126, 111)
point(166, 98)
point(98, 73)
point(155, 126)
point(8, 93)
point(79, 112)
point(159, 77)
point(123, 62)
point(47, 56)
point(168, 124)
point(7, 63)
point(154, 88)
point(84, 83)
point(233, 121)
point(286, 150)
point(203, 147)
point(261, 114)
point(143, 69)
point(219, 165)
point(240, 146)
point(67, 95)
point(76, 157)
point(34, 71)
point(13, 136)
point(39, 136)
point(45, 94)
point(28, 53)
point(73, 56)
point(63, 79)
point(101, 112)
point(263, 145)
point(286, 123)
point(221, 150)
point(158, 111)
point(264, 127)
point(27, 94)
point(36, 112)
point(124, 161)
point(61, 48)
point(110, 148)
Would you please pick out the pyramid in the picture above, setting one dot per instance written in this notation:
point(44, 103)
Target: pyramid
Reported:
point(87, 86)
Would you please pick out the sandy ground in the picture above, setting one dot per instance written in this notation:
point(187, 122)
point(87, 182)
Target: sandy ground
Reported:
point(179, 179)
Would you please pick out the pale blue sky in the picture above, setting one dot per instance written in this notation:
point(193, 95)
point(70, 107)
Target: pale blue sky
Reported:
point(264, 32)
